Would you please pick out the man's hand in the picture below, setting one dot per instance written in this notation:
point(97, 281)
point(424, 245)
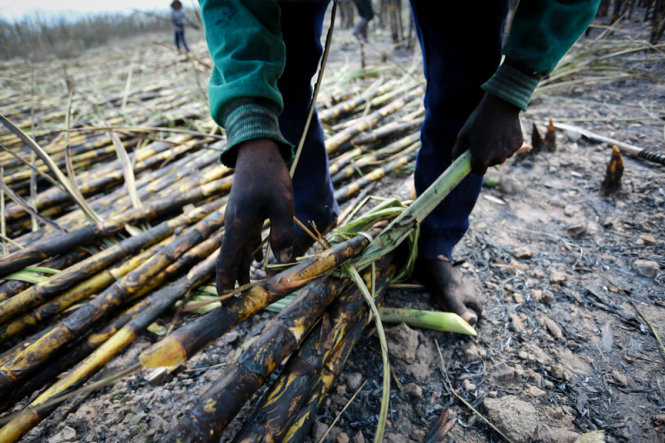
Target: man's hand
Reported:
point(492, 133)
point(261, 189)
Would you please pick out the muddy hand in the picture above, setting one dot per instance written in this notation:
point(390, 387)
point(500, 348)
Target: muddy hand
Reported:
point(261, 190)
point(492, 133)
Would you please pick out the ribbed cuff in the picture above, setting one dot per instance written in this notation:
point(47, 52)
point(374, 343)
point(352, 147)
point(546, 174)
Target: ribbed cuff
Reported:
point(512, 85)
point(249, 119)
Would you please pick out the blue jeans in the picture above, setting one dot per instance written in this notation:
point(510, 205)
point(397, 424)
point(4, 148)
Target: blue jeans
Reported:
point(460, 52)
point(179, 35)
point(313, 191)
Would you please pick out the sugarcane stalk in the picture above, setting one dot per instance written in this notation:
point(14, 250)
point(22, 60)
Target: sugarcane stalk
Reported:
point(349, 105)
point(12, 287)
point(16, 367)
point(155, 186)
point(145, 158)
point(82, 348)
point(80, 155)
point(385, 131)
point(106, 176)
point(179, 188)
point(159, 302)
point(186, 177)
point(347, 191)
point(28, 208)
point(347, 333)
point(343, 160)
point(54, 168)
point(186, 341)
point(276, 411)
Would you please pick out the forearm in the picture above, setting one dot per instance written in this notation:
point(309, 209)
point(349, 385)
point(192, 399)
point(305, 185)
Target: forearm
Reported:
point(246, 46)
point(541, 33)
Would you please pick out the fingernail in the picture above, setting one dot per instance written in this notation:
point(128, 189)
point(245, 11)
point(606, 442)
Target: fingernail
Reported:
point(285, 255)
point(470, 317)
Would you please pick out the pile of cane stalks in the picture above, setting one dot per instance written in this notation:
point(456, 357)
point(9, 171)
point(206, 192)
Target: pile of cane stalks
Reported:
point(111, 226)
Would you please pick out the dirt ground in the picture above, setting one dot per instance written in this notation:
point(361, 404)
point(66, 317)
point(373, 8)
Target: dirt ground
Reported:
point(573, 285)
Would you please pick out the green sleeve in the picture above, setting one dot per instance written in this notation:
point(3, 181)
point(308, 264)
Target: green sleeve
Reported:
point(541, 33)
point(245, 42)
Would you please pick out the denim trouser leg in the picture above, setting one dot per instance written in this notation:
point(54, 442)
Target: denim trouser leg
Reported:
point(180, 38)
point(461, 50)
point(313, 192)
point(176, 36)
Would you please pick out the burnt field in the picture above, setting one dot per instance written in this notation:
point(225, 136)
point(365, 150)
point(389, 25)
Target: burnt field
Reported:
point(98, 272)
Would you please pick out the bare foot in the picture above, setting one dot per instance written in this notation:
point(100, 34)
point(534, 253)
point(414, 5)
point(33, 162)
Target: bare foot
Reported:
point(450, 291)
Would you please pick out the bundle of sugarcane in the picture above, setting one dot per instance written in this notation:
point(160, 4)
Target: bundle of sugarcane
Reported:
point(279, 339)
point(223, 401)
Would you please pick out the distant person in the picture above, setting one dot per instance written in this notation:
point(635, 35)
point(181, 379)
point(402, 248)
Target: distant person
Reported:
point(366, 14)
point(179, 18)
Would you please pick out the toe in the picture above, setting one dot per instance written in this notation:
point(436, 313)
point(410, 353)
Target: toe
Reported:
point(470, 317)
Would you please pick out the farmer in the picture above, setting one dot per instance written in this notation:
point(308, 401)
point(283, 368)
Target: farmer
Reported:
point(179, 19)
point(265, 54)
point(366, 14)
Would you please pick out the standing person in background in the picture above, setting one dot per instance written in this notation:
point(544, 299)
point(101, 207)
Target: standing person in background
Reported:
point(179, 19)
point(265, 53)
point(366, 14)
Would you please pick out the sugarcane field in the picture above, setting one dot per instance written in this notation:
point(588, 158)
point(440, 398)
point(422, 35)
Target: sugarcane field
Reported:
point(113, 201)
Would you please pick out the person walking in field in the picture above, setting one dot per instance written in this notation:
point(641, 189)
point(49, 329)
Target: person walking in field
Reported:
point(179, 19)
point(265, 53)
point(366, 14)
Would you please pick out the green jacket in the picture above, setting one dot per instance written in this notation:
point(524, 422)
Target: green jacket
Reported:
point(245, 43)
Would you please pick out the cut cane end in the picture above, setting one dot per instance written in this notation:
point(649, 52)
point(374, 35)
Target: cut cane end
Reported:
point(168, 352)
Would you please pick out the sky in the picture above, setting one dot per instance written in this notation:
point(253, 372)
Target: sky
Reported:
point(12, 10)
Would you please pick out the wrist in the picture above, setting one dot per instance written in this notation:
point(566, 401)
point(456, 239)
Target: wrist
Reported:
point(500, 104)
point(263, 147)
point(248, 120)
point(512, 84)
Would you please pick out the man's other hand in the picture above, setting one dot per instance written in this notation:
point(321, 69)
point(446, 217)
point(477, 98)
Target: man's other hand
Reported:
point(492, 133)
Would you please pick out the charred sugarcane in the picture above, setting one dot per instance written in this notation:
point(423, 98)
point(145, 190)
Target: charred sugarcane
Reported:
point(51, 246)
point(294, 390)
point(16, 367)
point(347, 106)
point(281, 337)
point(90, 266)
point(159, 302)
point(345, 159)
point(12, 287)
point(390, 130)
point(80, 292)
point(107, 176)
